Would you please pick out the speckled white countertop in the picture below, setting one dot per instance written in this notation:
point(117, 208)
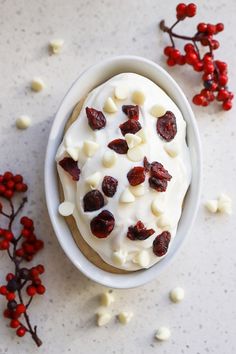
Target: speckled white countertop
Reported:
point(205, 321)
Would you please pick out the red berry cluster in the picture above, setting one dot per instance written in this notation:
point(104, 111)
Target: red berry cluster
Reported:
point(16, 310)
point(214, 72)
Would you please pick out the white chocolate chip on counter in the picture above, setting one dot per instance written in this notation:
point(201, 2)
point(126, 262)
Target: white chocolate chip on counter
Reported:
point(125, 317)
point(142, 134)
point(138, 97)
point(142, 258)
point(93, 180)
point(90, 147)
point(132, 140)
point(121, 92)
point(55, 45)
point(177, 294)
point(110, 106)
point(135, 154)
point(164, 222)
point(127, 196)
point(66, 208)
point(157, 207)
point(119, 257)
point(109, 158)
point(225, 204)
point(162, 333)
point(103, 318)
point(157, 111)
point(37, 84)
point(23, 122)
point(137, 191)
point(106, 299)
point(171, 149)
point(73, 152)
point(212, 205)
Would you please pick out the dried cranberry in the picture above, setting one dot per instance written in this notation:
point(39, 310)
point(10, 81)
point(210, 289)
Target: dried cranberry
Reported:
point(136, 175)
point(119, 145)
point(131, 126)
point(103, 224)
point(131, 111)
point(70, 166)
point(166, 126)
point(139, 232)
point(96, 119)
point(157, 170)
point(146, 164)
point(161, 243)
point(109, 186)
point(159, 185)
point(93, 200)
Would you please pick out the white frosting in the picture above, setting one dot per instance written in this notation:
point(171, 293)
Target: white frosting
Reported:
point(127, 214)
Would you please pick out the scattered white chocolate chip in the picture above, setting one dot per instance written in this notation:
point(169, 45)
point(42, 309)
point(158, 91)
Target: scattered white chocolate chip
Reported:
point(132, 140)
point(127, 196)
point(171, 149)
point(106, 299)
point(138, 97)
point(109, 158)
point(37, 84)
point(163, 222)
point(163, 333)
point(90, 147)
point(212, 205)
point(157, 111)
point(110, 106)
point(142, 258)
point(121, 92)
point(66, 208)
point(119, 257)
point(142, 134)
point(93, 180)
point(135, 154)
point(157, 207)
point(55, 46)
point(103, 318)
point(125, 317)
point(23, 122)
point(225, 204)
point(137, 191)
point(177, 294)
point(73, 152)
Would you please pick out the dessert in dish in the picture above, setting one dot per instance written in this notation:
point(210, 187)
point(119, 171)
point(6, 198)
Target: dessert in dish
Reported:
point(124, 170)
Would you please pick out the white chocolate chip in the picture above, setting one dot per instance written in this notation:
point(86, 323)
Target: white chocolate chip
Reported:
point(125, 317)
point(138, 97)
point(103, 318)
point(137, 191)
point(163, 333)
point(177, 294)
point(23, 122)
point(119, 257)
point(73, 152)
point(171, 149)
point(157, 207)
point(55, 46)
point(93, 180)
point(90, 147)
point(66, 208)
point(142, 258)
point(106, 299)
point(132, 140)
point(143, 135)
point(212, 205)
point(121, 92)
point(37, 84)
point(110, 106)
point(164, 222)
point(127, 196)
point(109, 158)
point(225, 204)
point(157, 111)
point(135, 154)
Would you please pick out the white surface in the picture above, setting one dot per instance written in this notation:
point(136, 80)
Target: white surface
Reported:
point(205, 321)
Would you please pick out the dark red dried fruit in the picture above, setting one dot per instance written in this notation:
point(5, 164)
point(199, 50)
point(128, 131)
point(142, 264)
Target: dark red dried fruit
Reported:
point(109, 186)
point(136, 175)
point(103, 224)
point(93, 200)
point(131, 126)
point(161, 243)
point(139, 232)
point(96, 119)
point(70, 166)
point(146, 164)
point(166, 126)
point(119, 145)
point(131, 111)
point(158, 184)
point(157, 170)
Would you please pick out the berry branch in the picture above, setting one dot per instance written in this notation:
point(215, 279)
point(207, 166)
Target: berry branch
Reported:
point(22, 276)
point(214, 71)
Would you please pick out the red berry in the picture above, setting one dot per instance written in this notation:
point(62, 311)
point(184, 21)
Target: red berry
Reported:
point(31, 290)
point(8, 194)
point(38, 245)
point(202, 27)
point(18, 179)
point(189, 48)
point(181, 60)
point(223, 79)
point(27, 222)
point(198, 100)
point(4, 245)
point(7, 313)
point(191, 58)
point(40, 268)
point(227, 105)
point(209, 68)
point(10, 184)
point(198, 66)
point(181, 11)
point(191, 10)
point(3, 290)
point(14, 323)
point(20, 308)
point(221, 66)
point(175, 54)
point(222, 95)
point(34, 273)
point(219, 27)
point(96, 119)
point(40, 289)
point(20, 252)
point(10, 296)
point(2, 189)
point(7, 176)
point(207, 58)
point(8, 235)
point(25, 233)
point(171, 62)
point(10, 276)
point(168, 50)
point(211, 29)
point(29, 249)
point(21, 331)
point(215, 44)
